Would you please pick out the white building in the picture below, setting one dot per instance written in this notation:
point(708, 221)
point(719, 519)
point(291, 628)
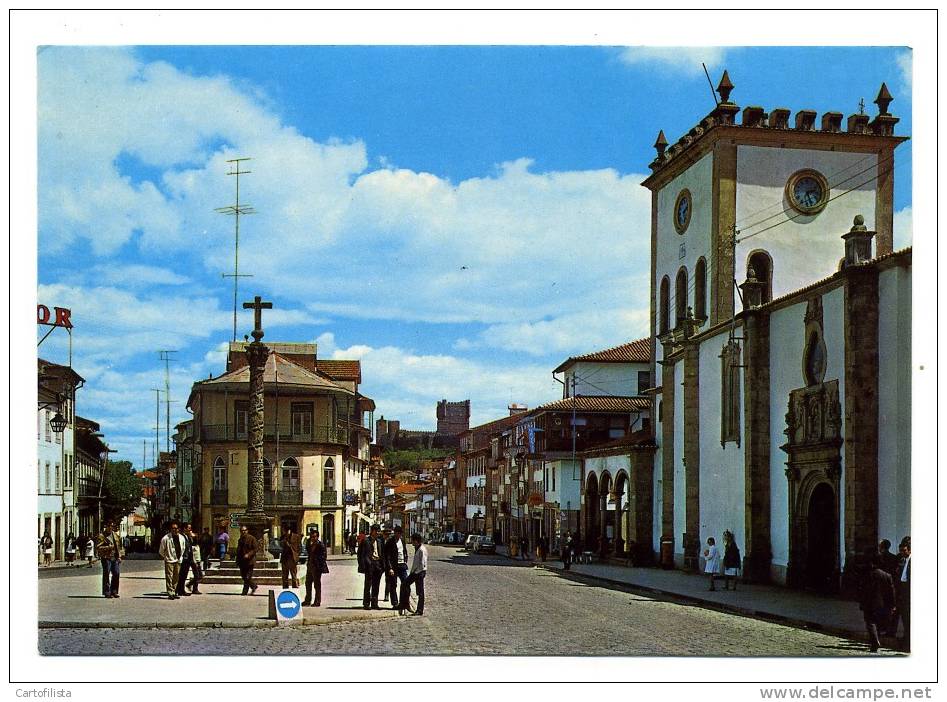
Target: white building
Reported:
point(783, 417)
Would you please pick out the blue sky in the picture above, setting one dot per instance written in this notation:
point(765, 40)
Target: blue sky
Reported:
point(461, 219)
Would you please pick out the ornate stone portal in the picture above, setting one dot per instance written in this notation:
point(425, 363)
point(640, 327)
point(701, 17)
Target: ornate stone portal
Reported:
point(256, 520)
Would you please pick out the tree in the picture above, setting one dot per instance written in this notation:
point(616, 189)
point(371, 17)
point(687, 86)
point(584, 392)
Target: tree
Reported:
point(122, 490)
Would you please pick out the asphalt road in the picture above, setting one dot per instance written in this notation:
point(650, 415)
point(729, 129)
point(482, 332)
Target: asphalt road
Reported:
point(489, 605)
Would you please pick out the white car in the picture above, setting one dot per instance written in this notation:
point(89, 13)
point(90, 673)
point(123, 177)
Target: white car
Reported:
point(471, 542)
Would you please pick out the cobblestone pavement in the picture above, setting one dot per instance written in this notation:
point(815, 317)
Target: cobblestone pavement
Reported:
point(489, 605)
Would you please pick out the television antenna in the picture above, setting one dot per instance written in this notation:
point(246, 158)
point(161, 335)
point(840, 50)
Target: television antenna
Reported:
point(236, 210)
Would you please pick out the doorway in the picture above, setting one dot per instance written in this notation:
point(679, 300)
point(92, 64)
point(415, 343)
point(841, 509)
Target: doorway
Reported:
point(328, 531)
point(822, 535)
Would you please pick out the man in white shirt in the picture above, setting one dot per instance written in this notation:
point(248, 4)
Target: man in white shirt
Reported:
point(172, 551)
point(416, 576)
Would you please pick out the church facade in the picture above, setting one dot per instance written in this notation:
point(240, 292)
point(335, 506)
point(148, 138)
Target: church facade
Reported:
point(781, 342)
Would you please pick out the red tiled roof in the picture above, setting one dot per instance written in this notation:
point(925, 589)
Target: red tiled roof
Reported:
point(596, 403)
point(633, 352)
point(278, 369)
point(340, 370)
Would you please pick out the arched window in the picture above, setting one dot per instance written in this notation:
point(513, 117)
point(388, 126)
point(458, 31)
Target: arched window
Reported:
point(665, 309)
point(290, 474)
point(328, 475)
point(700, 289)
point(762, 264)
point(220, 473)
point(680, 296)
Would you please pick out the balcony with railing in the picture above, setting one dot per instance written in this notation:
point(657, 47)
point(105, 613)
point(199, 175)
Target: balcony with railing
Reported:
point(286, 497)
point(285, 433)
point(329, 498)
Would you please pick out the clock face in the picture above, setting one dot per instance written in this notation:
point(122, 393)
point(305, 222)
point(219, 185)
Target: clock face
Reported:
point(807, 191)
point(682, 211)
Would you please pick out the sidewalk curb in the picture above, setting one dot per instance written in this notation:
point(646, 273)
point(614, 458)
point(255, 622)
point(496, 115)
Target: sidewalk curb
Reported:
point(255, 624)
point(708, 604)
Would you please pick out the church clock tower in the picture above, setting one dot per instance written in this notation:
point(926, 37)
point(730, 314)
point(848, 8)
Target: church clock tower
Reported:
point(768, 191)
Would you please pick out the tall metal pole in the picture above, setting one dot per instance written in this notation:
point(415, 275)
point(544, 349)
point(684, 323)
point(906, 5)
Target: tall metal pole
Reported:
point(157, 421)
point(236, 210)
point(165, 355)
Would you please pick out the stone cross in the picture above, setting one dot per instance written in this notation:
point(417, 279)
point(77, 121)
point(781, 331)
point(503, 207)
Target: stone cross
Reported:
point(257, 306)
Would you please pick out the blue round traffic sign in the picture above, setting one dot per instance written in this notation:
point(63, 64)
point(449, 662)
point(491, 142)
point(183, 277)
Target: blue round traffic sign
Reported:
point(287, 604)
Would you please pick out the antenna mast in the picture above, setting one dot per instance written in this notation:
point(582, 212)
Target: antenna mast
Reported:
point(165, 355)
point(236, 210)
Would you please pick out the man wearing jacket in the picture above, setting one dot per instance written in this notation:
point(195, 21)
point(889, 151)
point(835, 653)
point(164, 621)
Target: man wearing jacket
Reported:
point(396, 566)
point(171, 551)
point(876, 597)
point(316, 566)
point(372, 564)
point(111, 552)
point(289, 558)
point(246, 559)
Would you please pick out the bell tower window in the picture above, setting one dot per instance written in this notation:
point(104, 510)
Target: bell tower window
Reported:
point(762, 265)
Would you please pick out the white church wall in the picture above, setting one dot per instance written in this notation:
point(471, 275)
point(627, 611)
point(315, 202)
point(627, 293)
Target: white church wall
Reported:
point(894, 404)
point(680, 494)
point(658, 496)
point(805, 248)
point(698, 179)
point(722, 479)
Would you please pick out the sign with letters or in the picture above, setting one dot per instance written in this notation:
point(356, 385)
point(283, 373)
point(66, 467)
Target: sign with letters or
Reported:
point(59, 317)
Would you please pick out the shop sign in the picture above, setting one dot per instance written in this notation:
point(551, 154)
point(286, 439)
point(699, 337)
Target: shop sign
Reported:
point(59, 317)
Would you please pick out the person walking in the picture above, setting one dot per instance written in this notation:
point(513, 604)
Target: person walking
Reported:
point(223, 543)
point(246, 559)
point(390, 582)
point(415, 577)
point(371, 564)
point(171, 550)
point(46, 546)
point(289, 558)
point(524, 548)
point(207, 549)
point(541, 546)
point(70, 549)
point(89, 549)
point(353, 543)
point(731, 560)
point(876, 597)
point(903, 593)
point(187, 560)
point(316, 567)
point(396, 566)
point(567, 551)
point(111, 553)
point(712, 556)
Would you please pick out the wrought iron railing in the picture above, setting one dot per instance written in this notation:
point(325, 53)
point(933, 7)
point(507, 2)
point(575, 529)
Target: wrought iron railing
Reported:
point(283, 497)
point(228, 432)
point(329, 498)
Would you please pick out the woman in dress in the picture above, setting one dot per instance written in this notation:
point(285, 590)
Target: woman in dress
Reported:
point(70, 549)
point(712, 556)
point(89, 549)
point(731, 560)
point(47, 545)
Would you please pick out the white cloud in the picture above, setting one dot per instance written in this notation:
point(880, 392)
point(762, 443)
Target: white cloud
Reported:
point(581, 332)
point(677, 59)
point(905, 61)
point(135, 275)
point(421, 247)
point(903, 228)
point(402, 384)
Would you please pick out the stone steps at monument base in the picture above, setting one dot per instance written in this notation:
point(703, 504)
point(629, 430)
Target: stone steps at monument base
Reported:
point(260, 565)
point(237, 580)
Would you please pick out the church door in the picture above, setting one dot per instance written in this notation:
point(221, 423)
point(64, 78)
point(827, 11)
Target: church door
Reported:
point(822, 527)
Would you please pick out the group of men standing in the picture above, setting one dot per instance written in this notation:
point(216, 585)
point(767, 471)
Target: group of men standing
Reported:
point(180, 549)
point(316, 563)
point(384, 555)
point(885, 593)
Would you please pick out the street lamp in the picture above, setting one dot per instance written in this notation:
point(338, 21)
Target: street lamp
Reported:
point(58, 423)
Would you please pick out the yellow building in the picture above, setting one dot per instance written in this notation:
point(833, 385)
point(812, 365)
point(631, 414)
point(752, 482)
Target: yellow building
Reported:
point(310, 422)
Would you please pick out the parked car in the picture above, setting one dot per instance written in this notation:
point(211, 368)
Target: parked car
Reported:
point(471, 542)
point(485, 544)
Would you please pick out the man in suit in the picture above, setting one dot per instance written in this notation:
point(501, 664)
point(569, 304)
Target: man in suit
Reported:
point(171, 551)
point(903, 589)
point(316, 566)
point(371, 564)
point(246, 559)
point(111, 552)
point(187, 561)
point(289, 558)
point(876, 598)
point(396, 565)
